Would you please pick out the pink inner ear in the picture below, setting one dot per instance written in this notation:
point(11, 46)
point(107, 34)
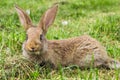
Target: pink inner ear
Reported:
point(49, 19)
point(22, 20)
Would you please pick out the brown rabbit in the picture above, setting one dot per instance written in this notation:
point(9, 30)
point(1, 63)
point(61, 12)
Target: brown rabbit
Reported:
point(81, 51)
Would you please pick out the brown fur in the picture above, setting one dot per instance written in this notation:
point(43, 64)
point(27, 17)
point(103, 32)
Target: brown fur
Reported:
point(83, 51)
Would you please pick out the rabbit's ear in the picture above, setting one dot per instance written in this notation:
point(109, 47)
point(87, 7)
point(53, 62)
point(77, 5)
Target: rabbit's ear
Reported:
point(24, 18)
point(48, 18)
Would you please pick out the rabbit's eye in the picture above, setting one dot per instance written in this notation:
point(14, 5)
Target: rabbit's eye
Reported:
point(41, 37)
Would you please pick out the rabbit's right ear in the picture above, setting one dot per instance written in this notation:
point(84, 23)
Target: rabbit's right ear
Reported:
point(24, 18)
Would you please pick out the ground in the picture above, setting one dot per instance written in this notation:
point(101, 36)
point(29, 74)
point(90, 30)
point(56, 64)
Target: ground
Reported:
point(97, 18)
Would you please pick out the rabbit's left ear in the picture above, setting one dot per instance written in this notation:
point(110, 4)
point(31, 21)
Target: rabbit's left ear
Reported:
point(48, 18)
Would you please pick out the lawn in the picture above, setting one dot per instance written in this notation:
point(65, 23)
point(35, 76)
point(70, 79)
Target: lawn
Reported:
point(97, 18)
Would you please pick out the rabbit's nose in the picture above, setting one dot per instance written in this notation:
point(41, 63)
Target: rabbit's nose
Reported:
point(32, 49)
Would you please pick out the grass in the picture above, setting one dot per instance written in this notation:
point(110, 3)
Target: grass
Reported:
point(97, 18)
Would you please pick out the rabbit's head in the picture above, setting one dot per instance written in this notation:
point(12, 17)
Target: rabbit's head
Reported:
point(35, 35)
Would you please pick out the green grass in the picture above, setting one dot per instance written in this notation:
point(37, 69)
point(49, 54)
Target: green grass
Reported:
point(97, 18)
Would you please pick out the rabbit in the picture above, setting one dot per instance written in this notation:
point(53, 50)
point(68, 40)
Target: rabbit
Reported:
point(83, 51)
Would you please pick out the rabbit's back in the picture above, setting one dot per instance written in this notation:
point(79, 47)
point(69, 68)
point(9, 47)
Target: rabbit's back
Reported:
point(74, 50)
